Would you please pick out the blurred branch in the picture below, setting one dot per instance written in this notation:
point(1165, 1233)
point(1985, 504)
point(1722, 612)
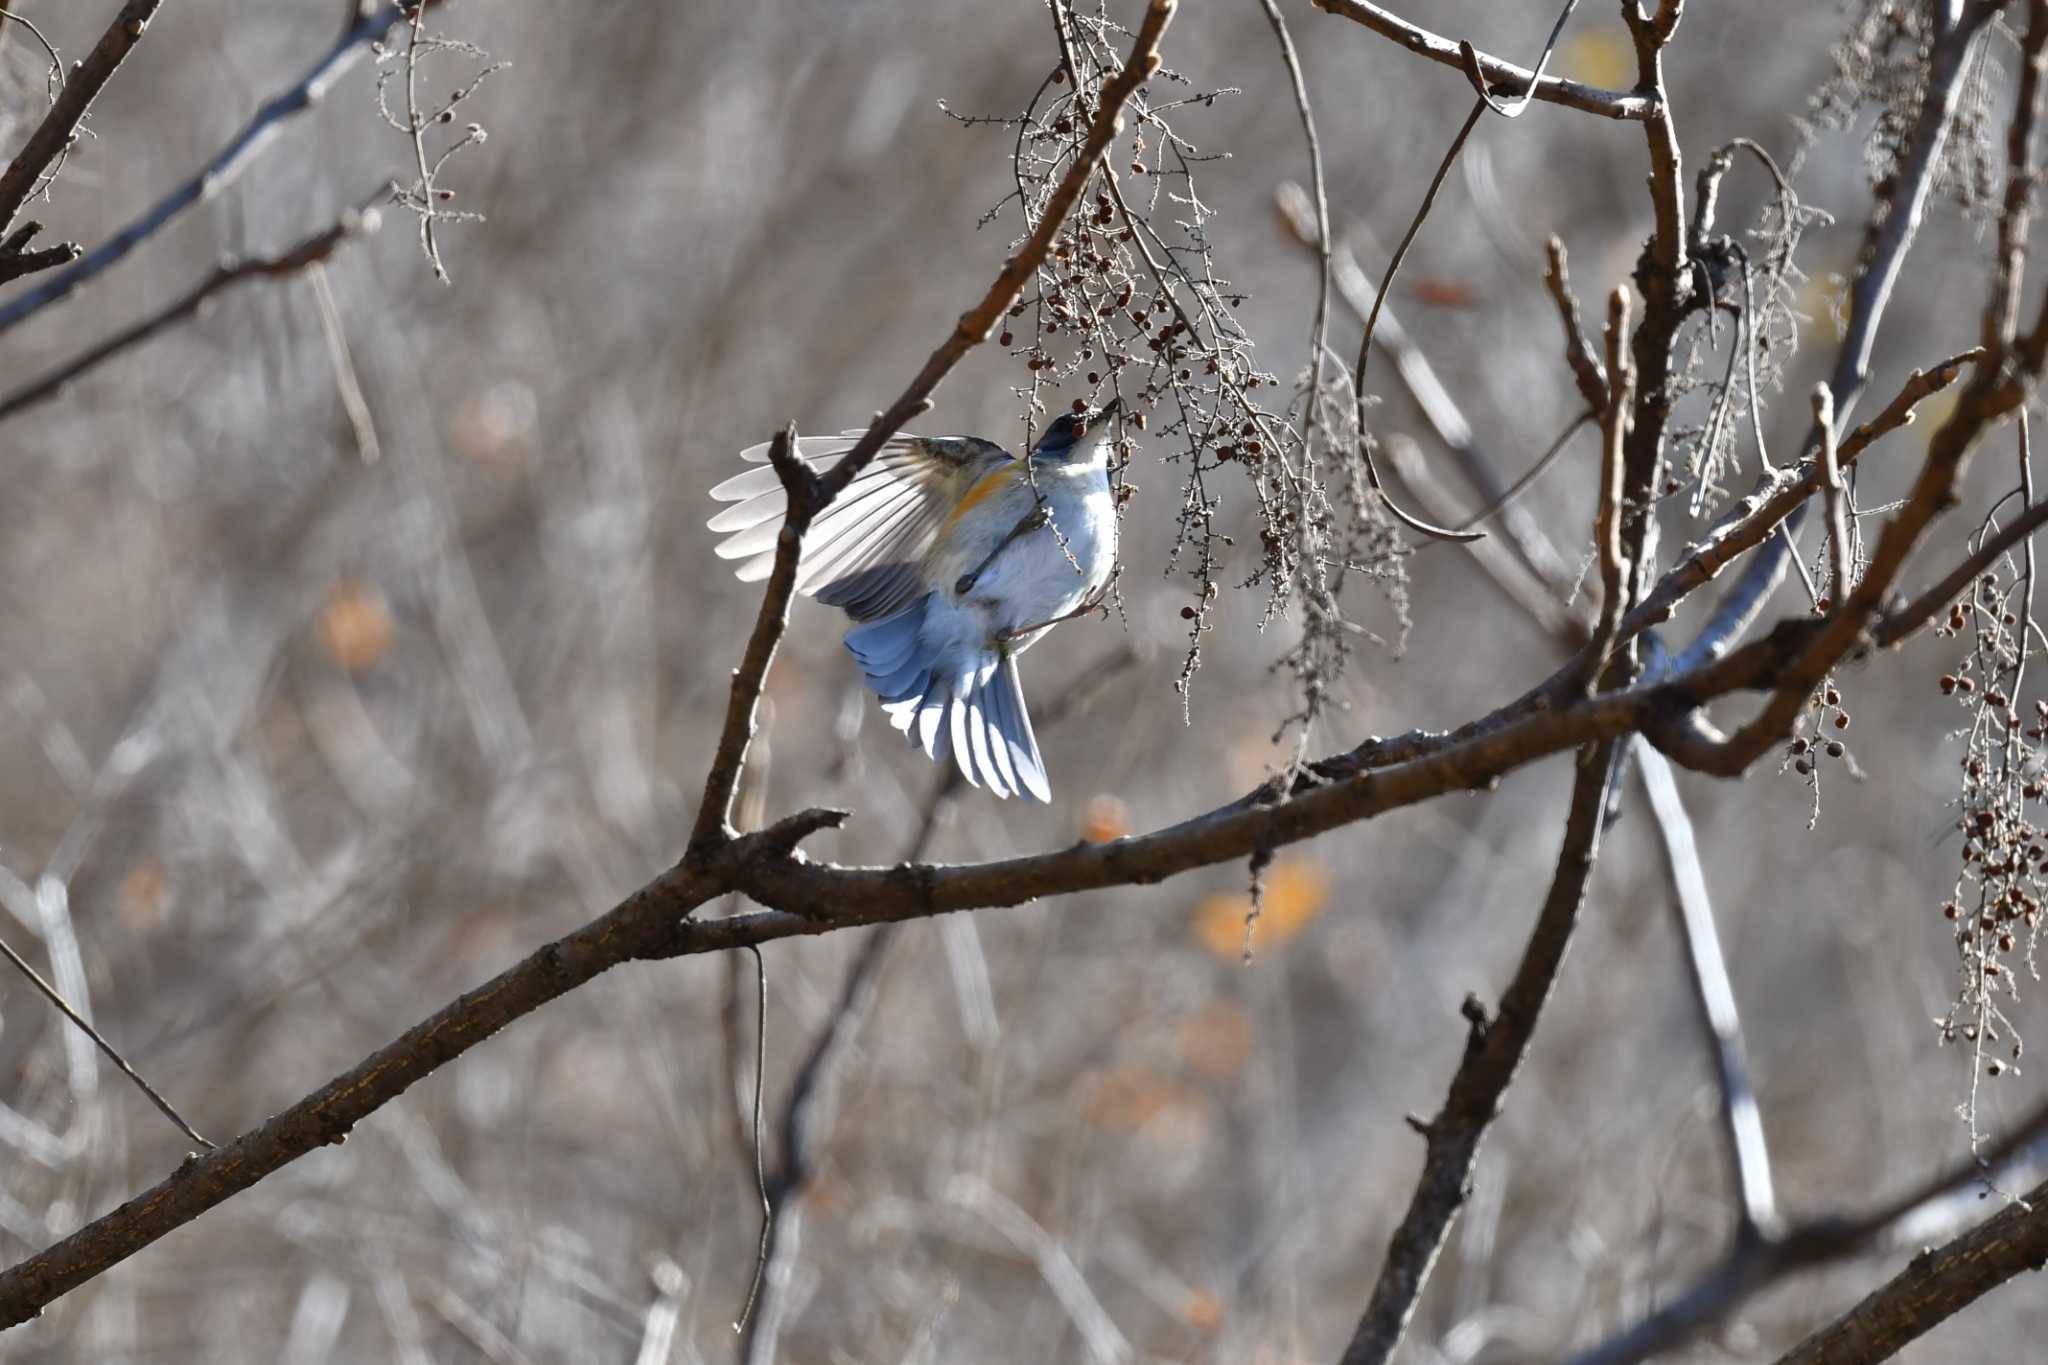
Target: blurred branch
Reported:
point(221, 170)
point(84, 1025)
point(53, 137)
point(1968, 1267)
point(305, 255)
point(1494, 1049)
point(1749, 1158)
point(1503, 78)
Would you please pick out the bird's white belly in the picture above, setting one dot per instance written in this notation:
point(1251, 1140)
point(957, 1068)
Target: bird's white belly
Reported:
point(1042, 575)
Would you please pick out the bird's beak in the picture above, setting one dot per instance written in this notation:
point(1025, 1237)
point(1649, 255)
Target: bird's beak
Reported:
point(1102, 413)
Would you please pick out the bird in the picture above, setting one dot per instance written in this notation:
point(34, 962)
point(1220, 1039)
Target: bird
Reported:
point(952, 557)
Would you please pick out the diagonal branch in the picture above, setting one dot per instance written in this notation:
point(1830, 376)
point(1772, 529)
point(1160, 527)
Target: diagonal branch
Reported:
point(1935, 1286)
point(301, 256)
point(84, 1025)
point(1749, 1159)
point(54, 136)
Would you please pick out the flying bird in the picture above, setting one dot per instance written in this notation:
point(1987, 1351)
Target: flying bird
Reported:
point(953, 557)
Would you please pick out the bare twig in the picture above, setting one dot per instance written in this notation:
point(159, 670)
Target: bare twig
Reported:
point(728, 760)
point(348, 386)
point(220, 171)
point(1372, 320)
point(1578, 351)
point(1938, 1283)
point(1419, 377)
point(1502, 78)
point(53, 137)
point(304, 255)
point(1319, 327)
point(1615, 569)
point(84, 1026)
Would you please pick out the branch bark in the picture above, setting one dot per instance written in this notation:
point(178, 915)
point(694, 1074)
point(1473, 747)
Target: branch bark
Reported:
point(1494, 1049)
point(1502, 78)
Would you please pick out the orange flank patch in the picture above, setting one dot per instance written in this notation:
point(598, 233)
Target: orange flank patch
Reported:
point(984, 488)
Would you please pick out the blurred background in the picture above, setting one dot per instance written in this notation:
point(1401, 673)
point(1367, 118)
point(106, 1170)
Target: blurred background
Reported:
point(299, 745)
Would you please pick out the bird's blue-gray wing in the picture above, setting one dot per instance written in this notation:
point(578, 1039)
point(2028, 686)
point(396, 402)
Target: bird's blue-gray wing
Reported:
point(862, 553)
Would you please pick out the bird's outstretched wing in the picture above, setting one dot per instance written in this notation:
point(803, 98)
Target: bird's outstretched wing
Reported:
point(861, 554)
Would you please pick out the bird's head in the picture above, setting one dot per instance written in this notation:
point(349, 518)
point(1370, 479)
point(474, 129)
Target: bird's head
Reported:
point(1079, 436)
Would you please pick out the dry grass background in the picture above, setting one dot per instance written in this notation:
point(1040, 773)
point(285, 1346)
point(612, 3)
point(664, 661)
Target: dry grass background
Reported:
point(309, 745)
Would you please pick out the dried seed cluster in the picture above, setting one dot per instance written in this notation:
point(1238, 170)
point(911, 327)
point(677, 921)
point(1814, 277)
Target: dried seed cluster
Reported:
point(1995, 907)
point(1130, 302)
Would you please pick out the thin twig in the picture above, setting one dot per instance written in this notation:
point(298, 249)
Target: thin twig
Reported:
point(1319, 327)
point(746, 1317)
point(355, 405)
point(729, 759)
point(1834, 494)
point(1578, 351)
point(1372, 319)
point(84, 1025)
point(221, 170)
point(301, 256)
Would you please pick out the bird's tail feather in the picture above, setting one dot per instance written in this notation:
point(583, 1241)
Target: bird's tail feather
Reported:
point(973, 714)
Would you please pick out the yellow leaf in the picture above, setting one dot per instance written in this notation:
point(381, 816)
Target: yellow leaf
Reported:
point(355, 625)
point(1295, 893)
point(1598, 56)
point(1202, 1310)
point(1107, 818)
